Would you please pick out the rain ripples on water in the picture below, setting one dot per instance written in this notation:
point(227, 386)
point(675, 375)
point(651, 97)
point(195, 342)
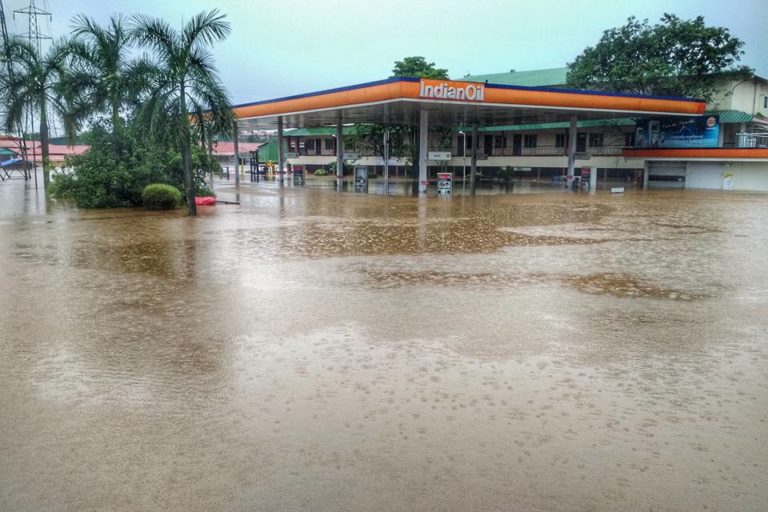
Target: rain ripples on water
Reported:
point(322, 351)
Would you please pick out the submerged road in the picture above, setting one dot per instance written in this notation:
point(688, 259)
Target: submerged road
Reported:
point(309, 350)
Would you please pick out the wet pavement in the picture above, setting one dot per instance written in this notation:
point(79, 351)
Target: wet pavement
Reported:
point(314, 350)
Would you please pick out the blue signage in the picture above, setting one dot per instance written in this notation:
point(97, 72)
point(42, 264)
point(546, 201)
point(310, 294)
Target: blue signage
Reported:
point(686, 132)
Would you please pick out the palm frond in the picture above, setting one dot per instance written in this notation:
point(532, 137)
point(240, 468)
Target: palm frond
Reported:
point(155, 33)
point(205, 27)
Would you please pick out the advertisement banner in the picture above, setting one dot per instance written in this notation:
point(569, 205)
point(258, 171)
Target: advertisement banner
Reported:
point(684, 132)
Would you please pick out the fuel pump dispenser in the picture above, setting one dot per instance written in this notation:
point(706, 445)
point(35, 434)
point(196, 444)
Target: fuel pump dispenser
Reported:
point(444, 184)
point(298, 175)
point(361, 178)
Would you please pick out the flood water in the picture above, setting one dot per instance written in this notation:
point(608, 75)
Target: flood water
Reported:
point(315, 350)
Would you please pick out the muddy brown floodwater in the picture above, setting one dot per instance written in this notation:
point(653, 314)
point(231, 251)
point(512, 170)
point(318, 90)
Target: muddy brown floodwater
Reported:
point(309, 350)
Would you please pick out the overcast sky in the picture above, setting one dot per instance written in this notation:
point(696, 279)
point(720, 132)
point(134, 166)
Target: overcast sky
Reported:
point(283, 47)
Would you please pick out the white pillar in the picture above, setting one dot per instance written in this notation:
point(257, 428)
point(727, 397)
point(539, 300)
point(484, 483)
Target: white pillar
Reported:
point(339, 153)
point(236, 136)
point(423, 150)
point(593, 180)
point(473, 161)
point(386, 163)
point(571, 151)
point(646, 173)
point(280, 154)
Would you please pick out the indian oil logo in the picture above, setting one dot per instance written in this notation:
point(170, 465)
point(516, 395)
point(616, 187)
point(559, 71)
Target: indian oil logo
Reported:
point(448, 90)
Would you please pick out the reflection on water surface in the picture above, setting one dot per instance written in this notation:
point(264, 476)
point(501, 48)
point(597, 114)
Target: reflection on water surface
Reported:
point(309, 349)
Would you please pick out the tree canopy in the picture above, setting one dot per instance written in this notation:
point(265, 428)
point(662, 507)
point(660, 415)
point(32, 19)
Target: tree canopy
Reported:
point(36, 85)
point(674, 58)
point(418, 67)
point(151, 115)
point(185, 82)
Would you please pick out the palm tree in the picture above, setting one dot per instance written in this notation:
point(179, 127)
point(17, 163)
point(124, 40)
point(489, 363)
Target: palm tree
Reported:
point(107, 78)
point(186, 81)
point(37, 83)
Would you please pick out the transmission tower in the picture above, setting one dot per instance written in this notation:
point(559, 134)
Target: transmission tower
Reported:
point(33, 33)
point(33, 12)
point(5, 59)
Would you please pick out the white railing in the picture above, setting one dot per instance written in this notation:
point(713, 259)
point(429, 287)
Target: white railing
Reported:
point(751, 140)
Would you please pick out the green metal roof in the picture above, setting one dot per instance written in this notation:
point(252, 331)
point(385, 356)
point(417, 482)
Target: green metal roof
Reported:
point(322, 131)
point(310, 132)
point(594, 123)
point(731, 116)
point(7, 152)
point(534, 78)
point(726, 117)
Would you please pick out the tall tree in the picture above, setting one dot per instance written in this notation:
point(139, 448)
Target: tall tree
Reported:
point(418, 67)
point(37, 83)
point(675, 58)
point(107, 78)
point(185, 81)
point(406, 140)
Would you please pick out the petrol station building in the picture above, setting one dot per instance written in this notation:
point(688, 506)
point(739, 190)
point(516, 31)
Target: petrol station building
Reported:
point(500, 124)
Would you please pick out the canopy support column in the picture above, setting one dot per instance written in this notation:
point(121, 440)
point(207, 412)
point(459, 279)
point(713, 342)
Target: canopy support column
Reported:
point(473, 161)
point(339, 153)
point(280, 150)
point(386, 163)
point(646, 173)
point(236, 136)
point(423, 151)
point(571, 152)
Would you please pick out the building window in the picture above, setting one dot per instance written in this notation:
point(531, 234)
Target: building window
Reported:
point(463, 141)
point(309, 144)
point(629, 140)
point(581, 142)
point(595, 140)
point(329, 144)
point(560, 140)
point(765, 102)
point(498, 141)
point(529, 141)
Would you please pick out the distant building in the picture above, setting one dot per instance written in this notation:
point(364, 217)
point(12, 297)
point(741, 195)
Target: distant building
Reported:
point(56, 152)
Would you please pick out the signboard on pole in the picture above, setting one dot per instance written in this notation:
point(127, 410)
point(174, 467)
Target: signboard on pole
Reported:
point(439, 156)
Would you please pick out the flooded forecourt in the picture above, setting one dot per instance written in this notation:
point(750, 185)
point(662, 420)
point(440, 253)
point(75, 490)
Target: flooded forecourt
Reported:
point(316, 350)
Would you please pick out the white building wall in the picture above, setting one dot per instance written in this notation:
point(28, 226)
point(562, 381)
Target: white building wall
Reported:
point(752, 176)
point(746, 96)
point(705, 175)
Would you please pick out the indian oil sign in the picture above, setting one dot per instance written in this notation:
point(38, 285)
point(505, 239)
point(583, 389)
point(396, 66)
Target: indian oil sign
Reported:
point(450, 90)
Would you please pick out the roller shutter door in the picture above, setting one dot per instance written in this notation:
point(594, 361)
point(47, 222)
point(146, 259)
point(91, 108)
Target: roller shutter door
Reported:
point(707, 175)
point(666, 175)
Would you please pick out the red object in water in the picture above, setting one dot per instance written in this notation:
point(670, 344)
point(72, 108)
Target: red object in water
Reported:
point(205, 201)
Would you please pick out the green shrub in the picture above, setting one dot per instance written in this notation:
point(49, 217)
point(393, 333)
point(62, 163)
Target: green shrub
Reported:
point(112, 173)
point(158, 196)
point(321, 172)
point(204, 191)
point(115, 170)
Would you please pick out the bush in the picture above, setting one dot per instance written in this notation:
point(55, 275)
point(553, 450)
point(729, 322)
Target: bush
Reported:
point(158, 196)
point(321, 172)
point(204, 191)
point(112, 173)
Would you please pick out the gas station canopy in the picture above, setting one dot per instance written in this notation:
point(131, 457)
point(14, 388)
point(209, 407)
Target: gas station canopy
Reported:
point(452, 103)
